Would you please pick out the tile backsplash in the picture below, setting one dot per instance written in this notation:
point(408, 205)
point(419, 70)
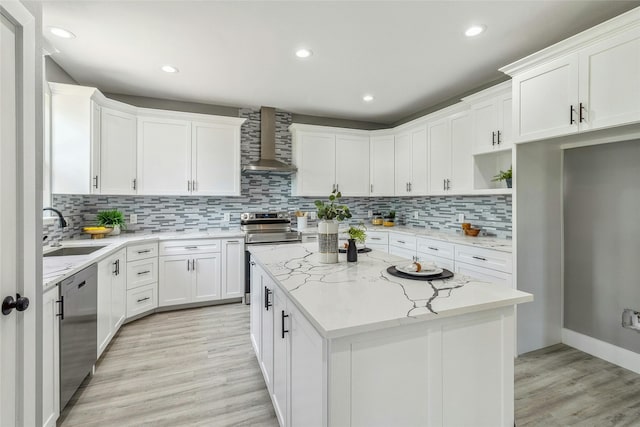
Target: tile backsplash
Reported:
point(271, 191)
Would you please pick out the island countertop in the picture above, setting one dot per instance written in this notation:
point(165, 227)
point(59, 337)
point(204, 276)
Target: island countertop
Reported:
point(349, 298)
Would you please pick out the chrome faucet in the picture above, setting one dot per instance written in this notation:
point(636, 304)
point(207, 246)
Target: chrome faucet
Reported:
point(63, 223)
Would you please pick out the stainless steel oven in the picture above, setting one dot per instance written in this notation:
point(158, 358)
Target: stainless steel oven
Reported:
point(262, 228)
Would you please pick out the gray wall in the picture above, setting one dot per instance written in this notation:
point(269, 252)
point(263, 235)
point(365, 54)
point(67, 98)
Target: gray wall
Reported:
point(55, 73)
point(602, 240)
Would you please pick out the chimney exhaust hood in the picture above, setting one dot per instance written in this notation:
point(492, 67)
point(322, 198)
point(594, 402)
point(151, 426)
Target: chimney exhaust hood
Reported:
point(267, 161)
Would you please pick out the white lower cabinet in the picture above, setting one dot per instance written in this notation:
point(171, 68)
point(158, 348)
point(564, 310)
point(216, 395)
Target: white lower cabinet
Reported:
point(485, 274)
point(142, 299)
point(440, 262)
point(232, 268)
point(184, 279)
point(267, 322)
point(255, 312)
point(206, 274)
point(281, 358)
point(112, 294)
point(50, 358)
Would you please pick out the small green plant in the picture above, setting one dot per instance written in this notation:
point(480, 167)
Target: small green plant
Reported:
point(332, 210)
point(357, 233)
point(111, 218)
point(391, 215)
point(503, 175)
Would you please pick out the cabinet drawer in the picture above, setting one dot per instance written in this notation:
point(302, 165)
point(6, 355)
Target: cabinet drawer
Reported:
point(142, 299)
point(189, 247)
point(144, 251)
point(402, 241)
point(435, 247)
point(377, 247)
point(402, 252)
point(495, 260)
point(142, 272)
point(377, 238)
point(484, 274)
point(438, 261)
point(309, 238)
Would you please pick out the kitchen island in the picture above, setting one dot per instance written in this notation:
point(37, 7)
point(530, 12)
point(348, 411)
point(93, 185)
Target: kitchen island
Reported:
point(348, 344)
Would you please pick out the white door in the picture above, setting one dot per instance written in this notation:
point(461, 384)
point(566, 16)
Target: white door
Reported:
point(402, 160)
point(119, 292)
point(96, 118)
point(215, 159)
point(20, 234)
point(505, 122)
point(232, 269)
point(381, 164)
point(281, 333)
point(117, 152)
point(419, 162)
point(352, 165)
point(164, 157)
point(256, 310)
point(485, 126)
point(610, 81)
point(174, 280)
point(439, 156)
point(106, 271)
point(461, 149)
point(268, 334)
point(207, 275)
point(317, 164)
point(547, 100)
point(8, 216)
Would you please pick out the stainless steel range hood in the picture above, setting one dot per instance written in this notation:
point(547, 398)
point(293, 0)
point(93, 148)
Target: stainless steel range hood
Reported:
point(267, 161)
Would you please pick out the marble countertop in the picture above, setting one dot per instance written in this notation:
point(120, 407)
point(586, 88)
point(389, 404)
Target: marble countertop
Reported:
point(348, 298)
point(58, 268)
point(495, 243)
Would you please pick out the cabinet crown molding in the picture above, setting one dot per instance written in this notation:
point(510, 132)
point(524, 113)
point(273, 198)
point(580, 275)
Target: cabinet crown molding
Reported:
point(300, 127)
point(565, 47)
point(497, 90)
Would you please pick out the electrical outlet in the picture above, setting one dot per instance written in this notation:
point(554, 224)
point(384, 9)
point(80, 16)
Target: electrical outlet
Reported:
point(369, 214)
point(227, 217)
point(415, 214)
point(133, 219)
point(313, 215)
point(460, 217)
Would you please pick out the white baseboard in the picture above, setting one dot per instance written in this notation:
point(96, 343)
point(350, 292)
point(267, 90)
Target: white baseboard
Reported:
point(609, 352)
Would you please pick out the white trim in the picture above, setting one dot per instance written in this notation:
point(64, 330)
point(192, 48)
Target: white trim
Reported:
point(609, 352)
point(486, 94)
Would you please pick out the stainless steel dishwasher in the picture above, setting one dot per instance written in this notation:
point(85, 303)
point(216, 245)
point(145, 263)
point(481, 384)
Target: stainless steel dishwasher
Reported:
point(78, 330)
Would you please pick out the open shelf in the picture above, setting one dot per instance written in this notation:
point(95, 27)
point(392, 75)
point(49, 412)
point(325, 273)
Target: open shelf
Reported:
point(486, 166)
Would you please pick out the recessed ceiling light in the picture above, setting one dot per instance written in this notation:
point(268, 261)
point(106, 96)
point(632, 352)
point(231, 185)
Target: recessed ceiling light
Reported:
point(475, 30)
point(61, 32)
point(303, 53)
point(169, 69)
point(367, 98)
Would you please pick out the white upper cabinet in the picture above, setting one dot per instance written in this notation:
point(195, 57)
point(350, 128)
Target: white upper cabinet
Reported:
point(328, 159)
point(491, 112)
point(216, 159)
point(352, 165)
point(450, 158)
point(382, 165)
point(117, 152)
point(589, 81)
point(411, 162)
point(164, 156)
point(546, 100)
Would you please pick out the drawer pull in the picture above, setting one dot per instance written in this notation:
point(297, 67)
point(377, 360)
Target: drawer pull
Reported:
point(140, 273)
point(146, 251)
point(375, 238)
point(432, 248)
point(402, 241)
point(233, 241)
point(479, 257)
point(311, 237)
point(191, 247)
point(144, 299)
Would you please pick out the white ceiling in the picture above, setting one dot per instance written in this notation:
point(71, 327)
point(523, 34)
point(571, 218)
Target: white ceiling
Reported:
point(409, 54)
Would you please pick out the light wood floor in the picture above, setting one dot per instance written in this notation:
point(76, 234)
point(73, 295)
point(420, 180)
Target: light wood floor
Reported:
point(197, 368)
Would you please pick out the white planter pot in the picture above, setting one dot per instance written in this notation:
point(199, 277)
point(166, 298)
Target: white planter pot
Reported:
point(115, 231)
point(328, 241)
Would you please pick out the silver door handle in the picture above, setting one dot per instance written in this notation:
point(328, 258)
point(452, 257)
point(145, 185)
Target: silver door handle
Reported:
point(189, 186)
point(371, 188)
point(135, 183)
point(444, 184)
point(193, 265)
point(95, 181)
point(337, 187)
point(194, 185)
point(188, 265)
point(448, 184)
point(409, 187)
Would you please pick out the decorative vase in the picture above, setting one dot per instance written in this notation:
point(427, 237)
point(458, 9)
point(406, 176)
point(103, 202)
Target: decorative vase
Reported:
point(328, 241)
point(352, 251)
point(116, 230)
point(508, 182)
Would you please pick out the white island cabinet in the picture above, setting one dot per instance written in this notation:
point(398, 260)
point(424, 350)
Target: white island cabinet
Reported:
point(112, 294)
point(50, 357)
point(413, 354)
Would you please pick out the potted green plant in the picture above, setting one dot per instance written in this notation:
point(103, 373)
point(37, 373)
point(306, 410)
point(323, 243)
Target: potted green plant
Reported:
point(504, 176)
point(112, 218)
point(356, 235)
point(329, 213)
point(390, 219)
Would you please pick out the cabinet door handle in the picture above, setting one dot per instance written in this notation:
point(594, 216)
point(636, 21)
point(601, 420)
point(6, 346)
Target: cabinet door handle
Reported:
point(284, 331)
point(188, 265)
point(144, 299)
point(409, 187)
point(114, 272)
point(135, 182)
point(337, 187)
point(375, 238)
point(444, 184)
point(191, 247)
point(402, 241)
point(233, 241)
point(493, 138)
point(267, 302)
point(193, 265)
point(432, 248)
point(140, 273)
point(194, 185)
point(61, 302)
point(571, 111)
point(479, 257)
point(371, 188)
point(189, 186)
point(448, 184)
point(95, 181)
point(146, 251)
point(582, 118)
point(117, 267)
point(499, 138)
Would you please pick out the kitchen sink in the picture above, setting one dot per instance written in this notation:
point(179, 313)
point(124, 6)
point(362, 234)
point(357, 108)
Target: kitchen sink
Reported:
point(73, 250)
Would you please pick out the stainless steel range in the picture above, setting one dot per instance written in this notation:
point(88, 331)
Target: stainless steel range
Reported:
point(264, 228)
